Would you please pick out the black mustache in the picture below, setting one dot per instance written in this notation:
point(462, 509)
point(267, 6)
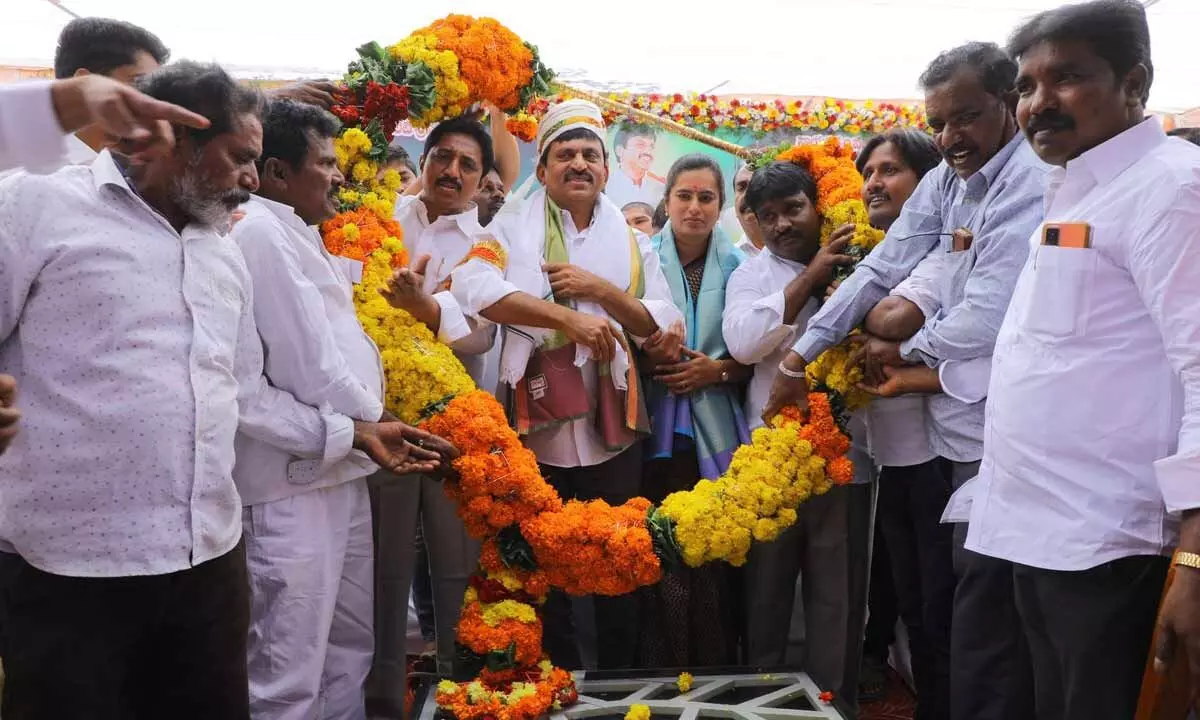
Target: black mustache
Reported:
point(575, 175)
point(958, 148)
point(234, 198)
point(1049, 121)
point(452, 181)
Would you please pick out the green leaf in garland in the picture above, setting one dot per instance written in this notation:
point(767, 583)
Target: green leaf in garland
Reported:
point(422, 89)
point(539, 84)
point(515, 550)
point(662, 535)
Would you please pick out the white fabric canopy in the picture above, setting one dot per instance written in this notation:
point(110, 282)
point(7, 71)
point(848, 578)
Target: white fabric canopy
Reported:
point(843, 48)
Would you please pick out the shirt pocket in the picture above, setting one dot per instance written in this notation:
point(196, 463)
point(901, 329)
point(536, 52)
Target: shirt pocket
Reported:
point(1060, 295)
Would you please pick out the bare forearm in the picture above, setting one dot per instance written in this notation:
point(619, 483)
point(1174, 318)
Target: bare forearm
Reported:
point(796, 295)
point(523, 309)
point(427, 312)
point(895, 319)
point(737, 372)
point(920, 379)
point(1189, 531)
point(628, 311)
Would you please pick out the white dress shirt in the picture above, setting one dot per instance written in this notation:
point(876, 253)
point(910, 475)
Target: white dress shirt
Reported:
point(136, 353)
point(30, 134)
point(576, 443)
point(753, 324)
point(1093, 415)
point(462, 290)
point(622, 190)
point(314, 346)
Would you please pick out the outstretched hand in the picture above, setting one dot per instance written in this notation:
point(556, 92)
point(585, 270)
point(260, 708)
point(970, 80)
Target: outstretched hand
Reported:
point(402, 448)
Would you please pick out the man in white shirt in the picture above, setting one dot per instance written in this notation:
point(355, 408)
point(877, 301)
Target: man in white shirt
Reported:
point(112, 48)
point(1093, 425)
point(307, 523)
point(739, 220)
point(127, 318)
point(768, 301)
point(975, 208)
point(578, 409)
point(632, 180)
point(456, 287)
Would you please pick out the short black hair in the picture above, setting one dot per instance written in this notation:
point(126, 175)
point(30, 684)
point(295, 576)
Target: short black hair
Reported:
point(101, 45)
point(1116, 30)
point(206, 89)
point(996, 70)
point(1190, 134)
point(638, 205)
point(287, 127)
point(632, 129)
point(917, 149)
point(658, 220)
point(463, 125)
point(776, 181)
point(578, 133)
point(695, 161)
point(397, 154)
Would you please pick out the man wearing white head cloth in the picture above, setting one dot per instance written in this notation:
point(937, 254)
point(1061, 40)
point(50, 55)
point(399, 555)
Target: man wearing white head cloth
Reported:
point(582, 416)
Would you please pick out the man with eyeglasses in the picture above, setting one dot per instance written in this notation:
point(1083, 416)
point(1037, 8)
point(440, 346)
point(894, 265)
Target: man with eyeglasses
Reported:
point(978, 208)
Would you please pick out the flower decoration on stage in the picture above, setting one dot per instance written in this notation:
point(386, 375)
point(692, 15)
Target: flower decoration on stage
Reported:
point(712, 114)
point(839, 201)
point(532, 540)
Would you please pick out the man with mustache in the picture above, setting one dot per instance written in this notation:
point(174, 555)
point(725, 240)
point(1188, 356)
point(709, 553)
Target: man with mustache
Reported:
point(580, 411)
point(1093, 429)
point(632, 180)
point(490, 197)
point(307, 523)
point(768, 301)
point(978, 209)
point(129, 318)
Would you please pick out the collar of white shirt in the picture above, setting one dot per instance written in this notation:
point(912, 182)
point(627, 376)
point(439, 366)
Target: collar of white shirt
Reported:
point(286, 213)
point(467, 220)
point(79, 152)
point(1105, 162)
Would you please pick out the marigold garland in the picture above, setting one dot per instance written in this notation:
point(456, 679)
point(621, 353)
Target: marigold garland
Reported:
point(531, 539)
point(711, 113)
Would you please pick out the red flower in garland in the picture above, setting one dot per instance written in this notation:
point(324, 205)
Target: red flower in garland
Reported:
point(386, 103)
point(348, 114)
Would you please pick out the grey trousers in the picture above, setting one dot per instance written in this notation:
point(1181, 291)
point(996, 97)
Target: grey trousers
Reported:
point(816, 550)
point(397, 505)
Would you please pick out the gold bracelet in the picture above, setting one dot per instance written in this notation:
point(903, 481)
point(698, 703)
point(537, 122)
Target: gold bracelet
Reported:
point(1187, 559)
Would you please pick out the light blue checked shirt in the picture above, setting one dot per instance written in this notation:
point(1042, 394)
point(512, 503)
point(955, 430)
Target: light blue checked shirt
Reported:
point(1001, 205)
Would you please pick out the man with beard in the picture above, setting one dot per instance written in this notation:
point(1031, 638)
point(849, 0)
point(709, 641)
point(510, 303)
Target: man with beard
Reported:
point(307, 523)
point(978, 208)
point(490, 197)
point(129, 320)
point(1093, 429)
point(581, 412)
point(456, 287)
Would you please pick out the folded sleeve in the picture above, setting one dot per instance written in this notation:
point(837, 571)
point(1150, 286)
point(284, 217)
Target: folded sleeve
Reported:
point(30, 134)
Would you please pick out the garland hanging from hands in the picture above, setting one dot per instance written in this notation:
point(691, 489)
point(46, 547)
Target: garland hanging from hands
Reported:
point(532, 540)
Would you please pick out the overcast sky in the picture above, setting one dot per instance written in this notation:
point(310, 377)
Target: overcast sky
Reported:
point(844, 48)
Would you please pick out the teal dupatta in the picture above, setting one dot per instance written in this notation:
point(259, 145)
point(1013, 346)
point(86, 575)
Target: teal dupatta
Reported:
point(711, 417)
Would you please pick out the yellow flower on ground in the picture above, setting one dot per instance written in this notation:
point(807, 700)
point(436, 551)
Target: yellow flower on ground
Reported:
point(684, 683)
point(638, 712)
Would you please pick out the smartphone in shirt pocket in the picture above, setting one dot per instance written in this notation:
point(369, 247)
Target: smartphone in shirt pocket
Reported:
point(1064, 266)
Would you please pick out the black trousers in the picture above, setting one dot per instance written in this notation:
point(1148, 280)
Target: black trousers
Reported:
point(128, 648)
point(991, 676)
point(1089, 634)
point(920, 549)
point(614, 482)
point(883, 608)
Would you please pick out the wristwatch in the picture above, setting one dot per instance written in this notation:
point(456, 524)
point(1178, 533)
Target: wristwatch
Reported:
point(1187, 559)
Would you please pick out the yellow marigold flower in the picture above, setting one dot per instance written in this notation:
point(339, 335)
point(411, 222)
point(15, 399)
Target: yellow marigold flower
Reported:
point(363, 171)
point(448, 686)
point(638, 712)
point(684, 682)
point(495, 613)
point(391, 180)
point(351, 232)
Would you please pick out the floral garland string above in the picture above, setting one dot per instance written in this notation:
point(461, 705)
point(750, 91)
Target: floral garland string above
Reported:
point(711, 113)
point(531, 539)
